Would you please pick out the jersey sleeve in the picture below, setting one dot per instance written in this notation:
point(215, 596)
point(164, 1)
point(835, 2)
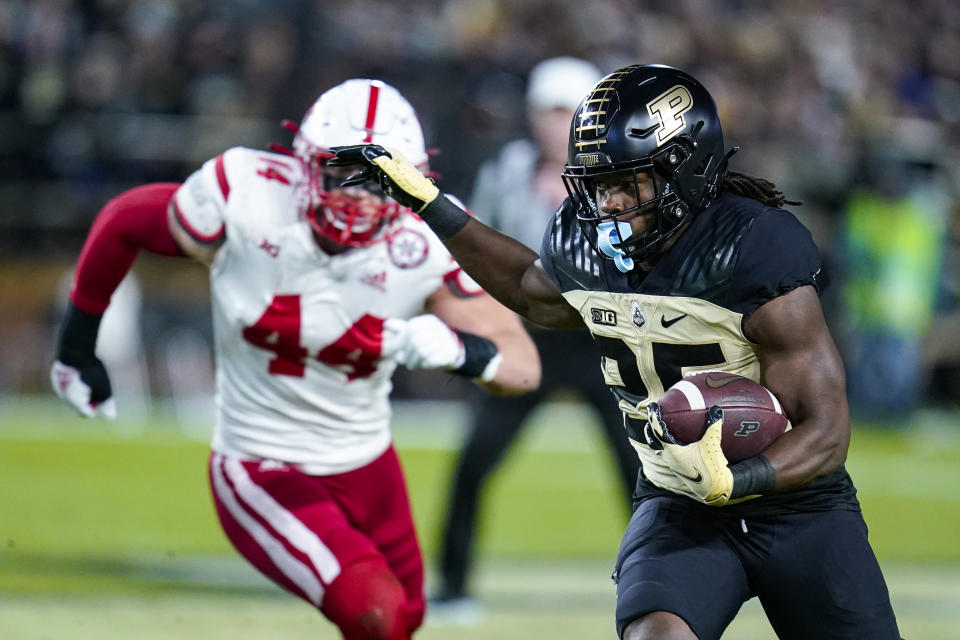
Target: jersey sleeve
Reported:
point(778, 255)
point(200, 204)
point(461, 284)
point(566, 254)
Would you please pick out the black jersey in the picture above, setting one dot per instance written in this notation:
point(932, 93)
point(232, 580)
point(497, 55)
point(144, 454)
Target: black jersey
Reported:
point(688, 314)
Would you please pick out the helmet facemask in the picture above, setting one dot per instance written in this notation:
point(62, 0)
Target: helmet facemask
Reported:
point(654, 121)
point(358, 111)
point(355, 216)
point(669, 211)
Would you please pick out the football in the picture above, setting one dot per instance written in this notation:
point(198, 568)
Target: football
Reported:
point(752, 415)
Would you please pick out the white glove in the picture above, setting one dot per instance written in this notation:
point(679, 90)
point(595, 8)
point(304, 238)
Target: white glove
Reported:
point(422, 342)
point(69, 386)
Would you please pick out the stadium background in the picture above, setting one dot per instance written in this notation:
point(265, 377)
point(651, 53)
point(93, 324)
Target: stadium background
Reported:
point(837, 102)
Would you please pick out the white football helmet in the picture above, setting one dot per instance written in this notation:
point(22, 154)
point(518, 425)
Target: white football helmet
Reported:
point(358, 111)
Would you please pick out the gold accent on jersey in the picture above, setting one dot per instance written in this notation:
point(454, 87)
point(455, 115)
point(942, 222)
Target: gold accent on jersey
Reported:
point(706, 324)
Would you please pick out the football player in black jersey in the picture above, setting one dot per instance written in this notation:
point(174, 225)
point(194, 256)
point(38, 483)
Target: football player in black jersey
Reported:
point(677, 265)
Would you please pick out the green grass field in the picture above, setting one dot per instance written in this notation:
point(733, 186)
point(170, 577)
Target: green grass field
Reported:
point(108, 533)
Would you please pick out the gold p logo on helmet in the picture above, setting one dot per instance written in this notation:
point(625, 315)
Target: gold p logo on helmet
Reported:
point(668, 108)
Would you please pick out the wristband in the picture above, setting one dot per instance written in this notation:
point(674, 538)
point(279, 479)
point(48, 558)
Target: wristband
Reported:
point(753, 476)
point(477, 354)
point(78, 338)
point(444, 217)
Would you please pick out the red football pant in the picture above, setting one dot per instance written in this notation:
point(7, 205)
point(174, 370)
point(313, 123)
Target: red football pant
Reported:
point(345, 543)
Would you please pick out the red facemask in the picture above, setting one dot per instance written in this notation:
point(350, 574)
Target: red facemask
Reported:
point(353, 217)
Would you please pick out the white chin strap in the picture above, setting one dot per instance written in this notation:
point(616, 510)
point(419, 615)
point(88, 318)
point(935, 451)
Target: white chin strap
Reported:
point(607, 234)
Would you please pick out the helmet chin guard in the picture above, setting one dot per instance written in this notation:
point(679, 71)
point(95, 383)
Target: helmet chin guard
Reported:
point(358, 111)
point(654, 119)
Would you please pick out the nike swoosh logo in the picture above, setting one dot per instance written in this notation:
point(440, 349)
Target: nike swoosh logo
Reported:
point(668, 323)
point(716, 383)
point(698, 478)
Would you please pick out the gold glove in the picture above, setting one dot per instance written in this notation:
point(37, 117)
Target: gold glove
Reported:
point(698, 470)
point(399, 179)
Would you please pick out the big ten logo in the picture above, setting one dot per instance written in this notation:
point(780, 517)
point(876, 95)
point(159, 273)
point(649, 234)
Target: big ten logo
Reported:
point(603, 316)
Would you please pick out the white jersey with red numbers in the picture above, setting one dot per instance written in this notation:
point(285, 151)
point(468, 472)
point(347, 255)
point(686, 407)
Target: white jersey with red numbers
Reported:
point(298, 333)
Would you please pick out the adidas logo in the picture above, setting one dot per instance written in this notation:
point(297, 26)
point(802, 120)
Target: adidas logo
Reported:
point(376, 280)
point(271, 465)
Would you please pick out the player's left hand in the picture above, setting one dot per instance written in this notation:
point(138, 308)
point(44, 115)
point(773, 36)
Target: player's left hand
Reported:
point(399, 179)
point(698, 470)
point(422, 342)
point(86, 389)
point(77, 375)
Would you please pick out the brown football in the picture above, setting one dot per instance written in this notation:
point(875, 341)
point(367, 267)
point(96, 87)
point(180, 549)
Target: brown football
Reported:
point(752, 415)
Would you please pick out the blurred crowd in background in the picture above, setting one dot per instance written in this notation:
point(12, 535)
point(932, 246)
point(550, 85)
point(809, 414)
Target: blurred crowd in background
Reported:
point(851, 106)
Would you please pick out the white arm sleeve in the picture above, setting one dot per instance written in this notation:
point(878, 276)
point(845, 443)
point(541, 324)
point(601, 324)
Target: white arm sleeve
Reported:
point(201, 201)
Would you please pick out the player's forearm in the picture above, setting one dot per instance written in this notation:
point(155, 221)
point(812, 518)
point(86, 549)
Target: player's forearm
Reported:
point(507, 269)
point(519, 371)
point(496, 261)
point(817, 444)
point(134, 220)
point(800, 456)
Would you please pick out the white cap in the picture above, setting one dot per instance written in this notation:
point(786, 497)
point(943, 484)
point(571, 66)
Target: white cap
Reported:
point(561, 82)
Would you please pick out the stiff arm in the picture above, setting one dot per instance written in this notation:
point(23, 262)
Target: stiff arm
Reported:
point(511, 272)
point(482, 315)
point(505, 268)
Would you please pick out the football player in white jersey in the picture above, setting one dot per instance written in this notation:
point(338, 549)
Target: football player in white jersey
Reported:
point(318, 292)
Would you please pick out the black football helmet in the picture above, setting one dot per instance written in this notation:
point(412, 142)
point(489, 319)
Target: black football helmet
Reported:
point(645, 118)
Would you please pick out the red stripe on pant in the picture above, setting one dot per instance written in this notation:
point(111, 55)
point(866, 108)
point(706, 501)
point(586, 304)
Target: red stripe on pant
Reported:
point(257, 541)
point(355, 517)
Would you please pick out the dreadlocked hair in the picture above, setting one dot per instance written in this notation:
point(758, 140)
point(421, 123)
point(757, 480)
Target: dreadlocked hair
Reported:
point(759, 189)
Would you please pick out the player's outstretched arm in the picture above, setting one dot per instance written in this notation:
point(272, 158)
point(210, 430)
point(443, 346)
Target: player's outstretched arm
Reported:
point(800, 363)
point(134, 220)
point(505, 268)
point(517, 369)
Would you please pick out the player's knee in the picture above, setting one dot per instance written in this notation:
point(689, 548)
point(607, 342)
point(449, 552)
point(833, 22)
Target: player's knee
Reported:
point(659, 625)
point(377, 623)
point(367, 602)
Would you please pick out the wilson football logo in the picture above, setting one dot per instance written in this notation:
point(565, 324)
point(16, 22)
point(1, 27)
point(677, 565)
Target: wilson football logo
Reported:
point(715, 382)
